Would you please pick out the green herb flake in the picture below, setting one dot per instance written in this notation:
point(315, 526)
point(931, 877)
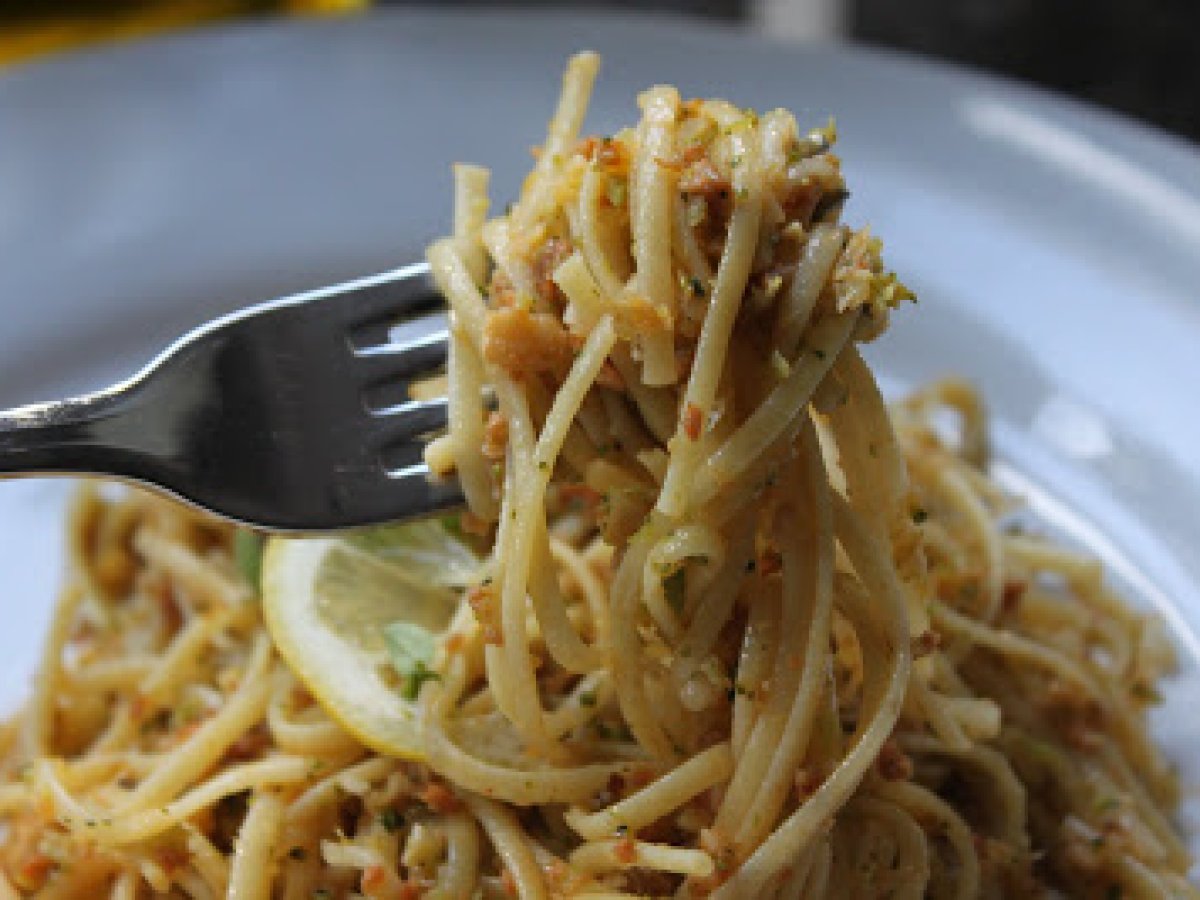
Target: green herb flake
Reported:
point(616, 191)
point(391, 820)
point(608, 732)
point(410, 650)
point(247, 553)
point(1147, 693)
point(745, 691)
point(414, 682)
point(920, 515)
point(588, 699)
point(189, 711)
point(298, 853)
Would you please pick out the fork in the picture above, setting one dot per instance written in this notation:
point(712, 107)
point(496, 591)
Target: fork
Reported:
point(291, 415)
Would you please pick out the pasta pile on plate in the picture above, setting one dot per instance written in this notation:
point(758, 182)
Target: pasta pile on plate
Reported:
point(740, 631)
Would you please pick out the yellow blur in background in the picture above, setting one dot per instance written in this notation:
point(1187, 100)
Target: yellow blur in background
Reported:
point(33, 28)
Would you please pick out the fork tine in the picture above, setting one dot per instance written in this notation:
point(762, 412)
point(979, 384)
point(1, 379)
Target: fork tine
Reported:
point(405, 359)
point(383, 492)
point(417, 490)
point(408, 420)
point(401, 362)
point(389, 296)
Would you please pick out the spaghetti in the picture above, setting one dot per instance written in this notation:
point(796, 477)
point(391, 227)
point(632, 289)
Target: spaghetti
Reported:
point(742, 631)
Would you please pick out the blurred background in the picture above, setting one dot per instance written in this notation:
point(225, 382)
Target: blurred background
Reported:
point(1135, 56)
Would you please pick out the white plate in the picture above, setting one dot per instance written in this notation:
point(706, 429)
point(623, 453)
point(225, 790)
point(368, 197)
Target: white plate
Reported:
point(1055, 249)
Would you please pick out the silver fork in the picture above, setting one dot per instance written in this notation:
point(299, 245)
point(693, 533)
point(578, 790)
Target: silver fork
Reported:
point(291, 415)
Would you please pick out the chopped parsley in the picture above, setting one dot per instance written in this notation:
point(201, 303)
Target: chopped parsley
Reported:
point(416, 680)
point(616, 191)
point(410, 651)
point(608, 732)
point(247, 553)
point(1147, 693)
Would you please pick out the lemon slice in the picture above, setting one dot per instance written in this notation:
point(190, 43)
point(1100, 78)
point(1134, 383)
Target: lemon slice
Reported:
point(335, 607)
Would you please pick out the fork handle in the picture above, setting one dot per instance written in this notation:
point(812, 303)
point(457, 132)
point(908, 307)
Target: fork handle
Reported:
point(93, 434)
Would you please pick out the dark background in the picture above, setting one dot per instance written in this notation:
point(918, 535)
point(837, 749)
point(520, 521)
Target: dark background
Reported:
point(1141, 57)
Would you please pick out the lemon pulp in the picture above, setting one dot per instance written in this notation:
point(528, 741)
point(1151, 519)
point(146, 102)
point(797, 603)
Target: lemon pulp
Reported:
point(327, 601)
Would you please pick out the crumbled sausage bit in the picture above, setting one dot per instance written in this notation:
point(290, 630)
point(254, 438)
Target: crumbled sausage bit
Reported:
point(1011, 597)
point(770, 562)
point(926, 643)
point(495, 436)
point(439, 798)
point(808, 782)
point(893, 763)
point(473, 524)
point(609, 377)
point(526, 343)
point(482, 600)
point(693, 421)
point(625, 850)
